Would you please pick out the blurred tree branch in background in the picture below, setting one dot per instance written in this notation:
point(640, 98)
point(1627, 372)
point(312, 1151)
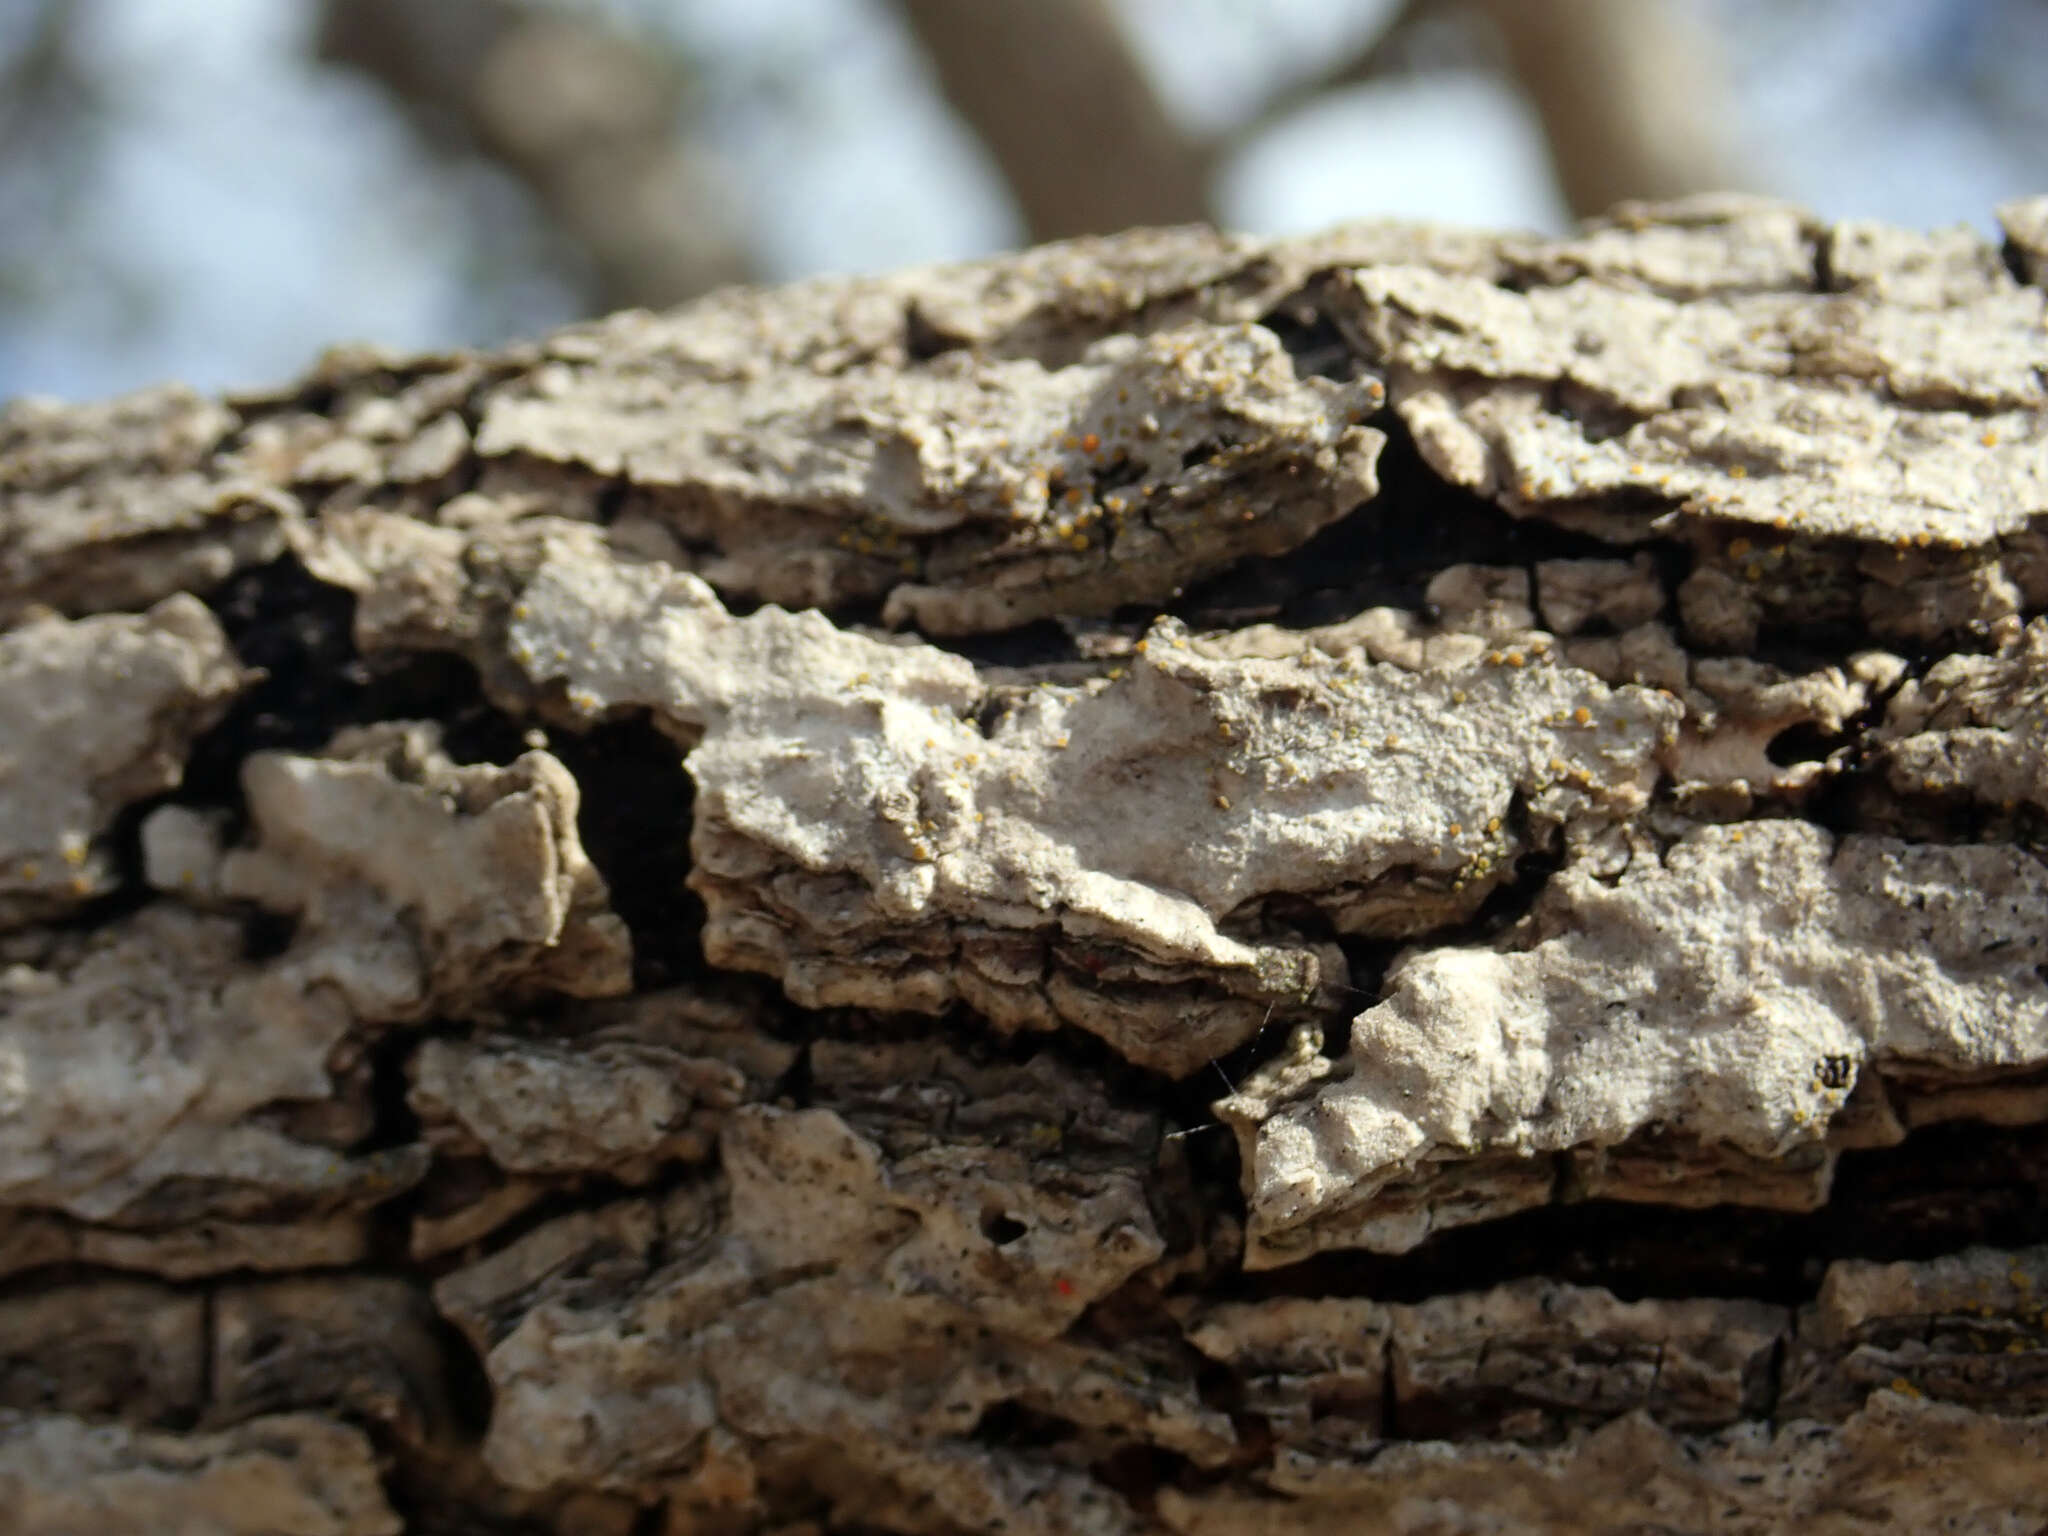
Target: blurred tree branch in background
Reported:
point(587, 118)
point(1628, 93)
point(42, 90)
point(51, 116)
point(1061, 101)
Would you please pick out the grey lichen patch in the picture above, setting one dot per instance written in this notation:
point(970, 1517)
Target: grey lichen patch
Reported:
point(1732, 992)
point(620, 1099)
point(1100, 855)
point(388, 427)
point(204, 1245)
point(1048, 304)
point(96, 714)
point(146, 1069)
point(1528, 1361)
point(133, 1078)
point(1617, 593)
point(1900, 411)
point(624, 1090)
point(1898, 1464)
point(1970, 1329)
point(1777, 412)
point(1738, 709)
point(1934, 270)
point(105, 1348)
point(845, 1306)
point(1974, 727)
point(976, 494)
point(451, 584)
point(1736, 712)
point(121, 504)
point(1471, 614)
point(373, 1342)
point(294, 1474)
point(420, 886)
point(1718, 245)
point(182, 848)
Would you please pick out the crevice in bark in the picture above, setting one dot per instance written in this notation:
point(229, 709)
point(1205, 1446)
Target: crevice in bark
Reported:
point(923, 340)
point(1823, 265)
point(796, 1086)
point(394, 1123)
point(1009, 1425)
point(1944, 1188)
point(1313, 340)
point(1137, 1471)
point(576, 1194)
point(417, 1483)
point(1768, 1393)
point(465, 1380)
point(1807, 742)
point(1859, 801)
point(1382, 554)
point(1515, 897)
point(1369, 960)
point(1391, 1423)
point(2015, 261)
point(299, 631)
point(634, 820)
point(266, 935)
point(612, 500)
point(1046, 642)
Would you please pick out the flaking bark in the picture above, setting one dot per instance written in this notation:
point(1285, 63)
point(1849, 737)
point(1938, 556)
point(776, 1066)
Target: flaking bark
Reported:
point(1388, 882)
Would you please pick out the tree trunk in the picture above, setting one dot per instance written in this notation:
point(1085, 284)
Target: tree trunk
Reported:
point(1434, 917)
point(1629, 94)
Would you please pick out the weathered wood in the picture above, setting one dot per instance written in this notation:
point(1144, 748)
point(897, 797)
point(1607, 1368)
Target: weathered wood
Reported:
point(1390, 882)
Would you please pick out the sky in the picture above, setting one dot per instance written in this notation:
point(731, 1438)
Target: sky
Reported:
point(252, 206)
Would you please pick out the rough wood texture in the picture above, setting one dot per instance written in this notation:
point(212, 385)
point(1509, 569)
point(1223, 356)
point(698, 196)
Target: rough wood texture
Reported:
point(1391, 883)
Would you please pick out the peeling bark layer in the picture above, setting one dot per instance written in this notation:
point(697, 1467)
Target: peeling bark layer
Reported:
point(1388, 882)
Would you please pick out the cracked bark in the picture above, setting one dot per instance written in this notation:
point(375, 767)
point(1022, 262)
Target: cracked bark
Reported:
point(1392, 881)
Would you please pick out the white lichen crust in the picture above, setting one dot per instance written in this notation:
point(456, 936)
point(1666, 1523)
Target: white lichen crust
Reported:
point(1392, 881)
point(419, 886)
point(281, 1475)
point(121, 504)
point(95, 715)
point(1099, 855)
point(1733, 990)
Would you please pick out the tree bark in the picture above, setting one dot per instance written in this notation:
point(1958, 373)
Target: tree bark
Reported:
point(1384, 882)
